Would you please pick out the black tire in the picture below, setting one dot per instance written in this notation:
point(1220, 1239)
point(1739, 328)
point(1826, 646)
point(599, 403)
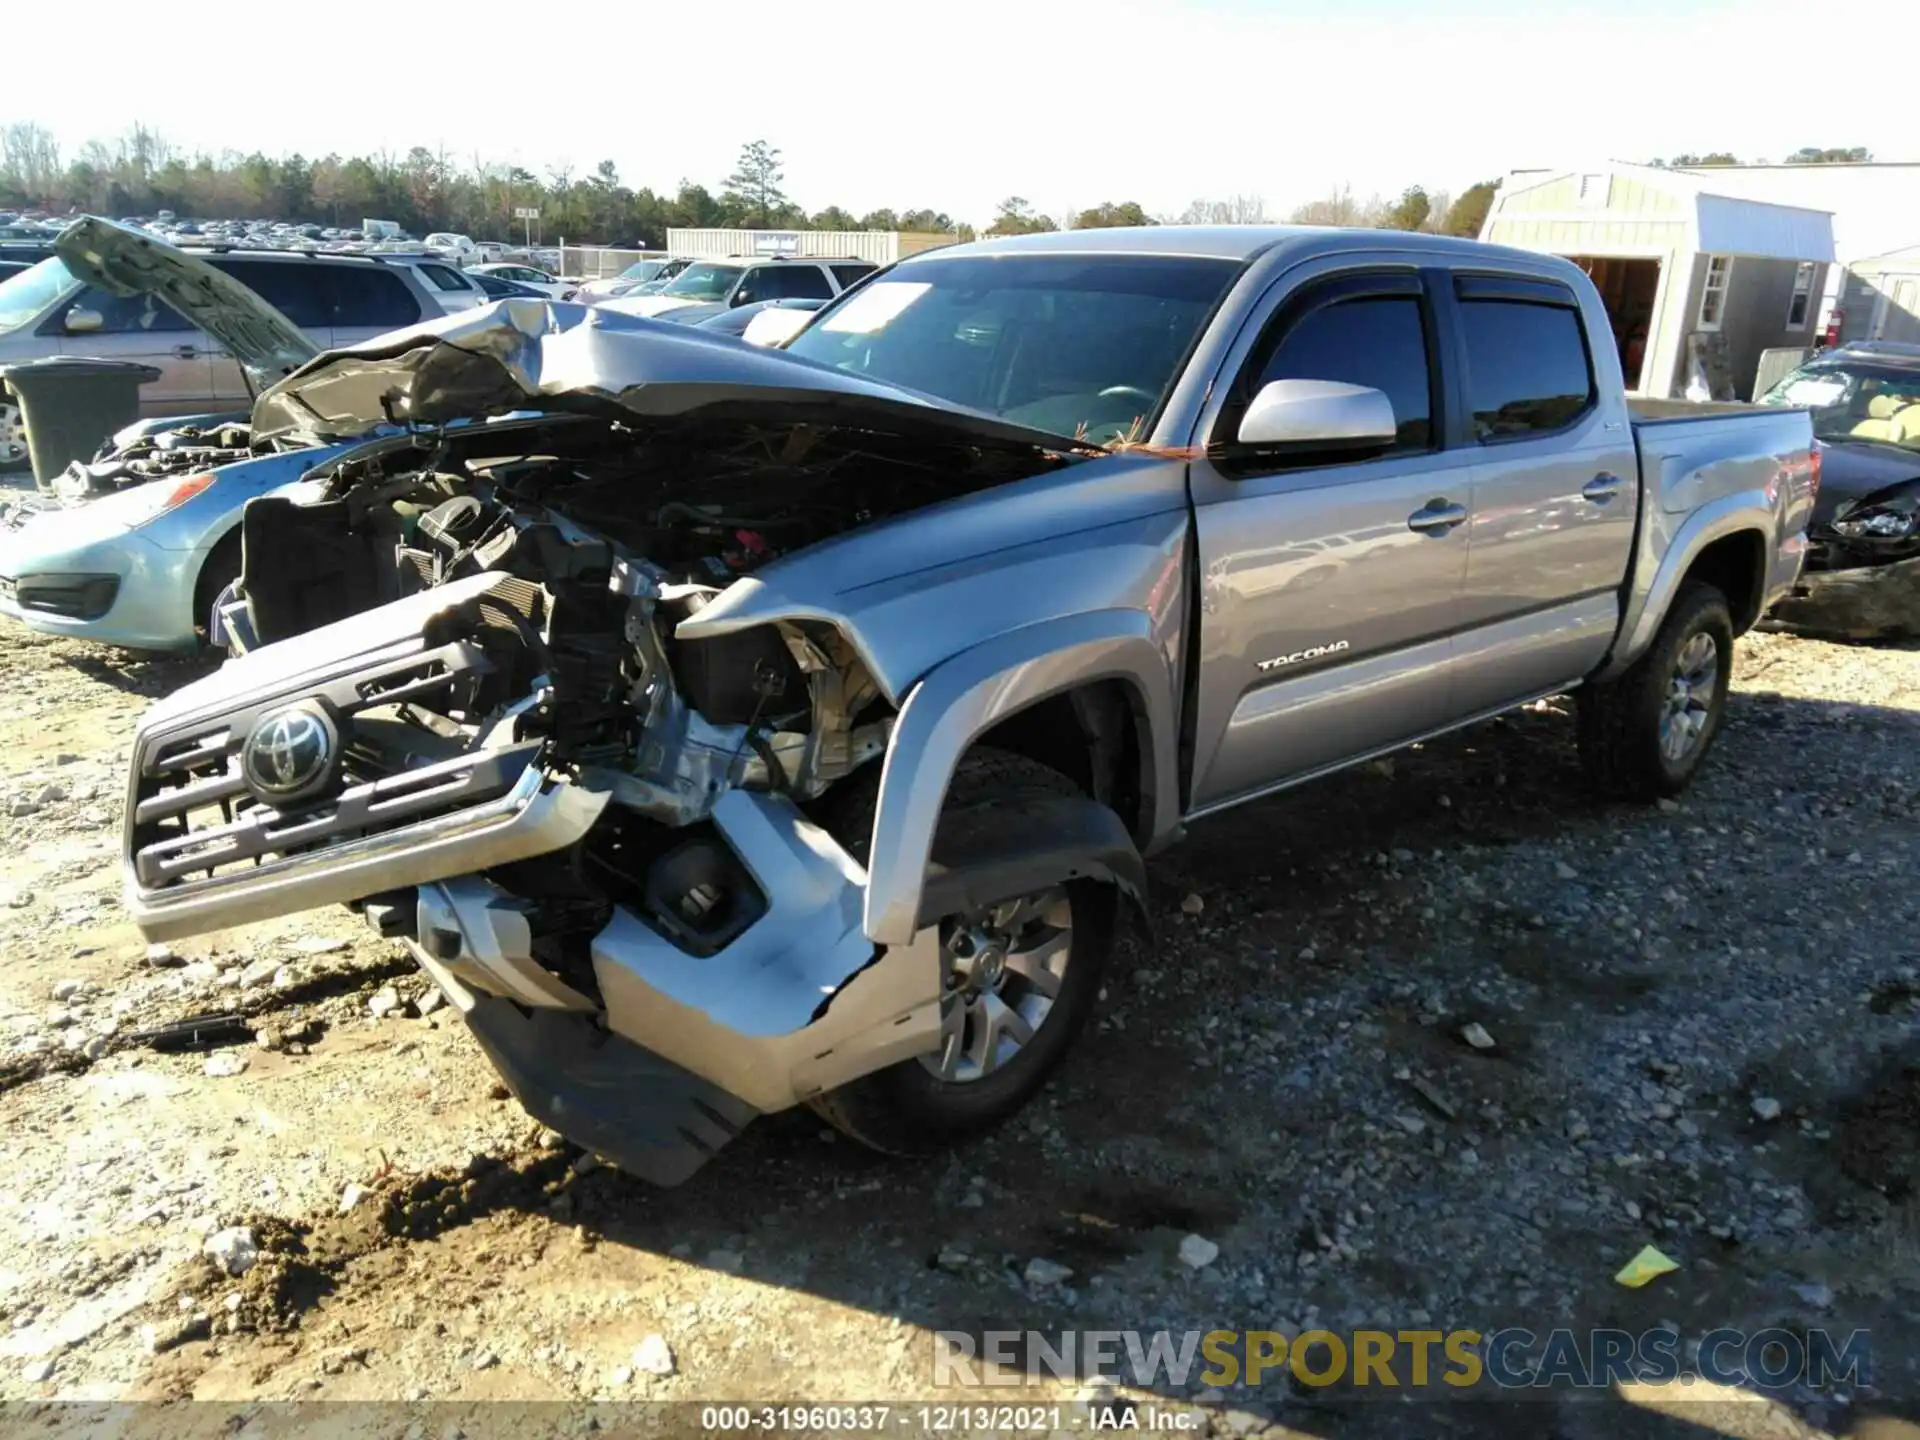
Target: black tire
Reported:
point(1619, 721)
point(22, 462)
point(220, 569)
point(906, 1109)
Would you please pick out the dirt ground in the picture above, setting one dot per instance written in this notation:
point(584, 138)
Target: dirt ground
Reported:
point(1701, 1026)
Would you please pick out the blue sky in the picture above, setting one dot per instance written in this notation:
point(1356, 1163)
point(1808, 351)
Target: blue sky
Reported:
point(956, 105)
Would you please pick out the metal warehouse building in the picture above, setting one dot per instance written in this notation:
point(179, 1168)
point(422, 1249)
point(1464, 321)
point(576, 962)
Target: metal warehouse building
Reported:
point(881, 247)
point(1698, 283)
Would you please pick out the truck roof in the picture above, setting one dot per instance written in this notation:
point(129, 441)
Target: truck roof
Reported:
point(1223, 242)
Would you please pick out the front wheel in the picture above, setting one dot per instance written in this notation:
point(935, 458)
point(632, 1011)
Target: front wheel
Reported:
point(1646, 734)
point(13, 435)
point(1018, 979)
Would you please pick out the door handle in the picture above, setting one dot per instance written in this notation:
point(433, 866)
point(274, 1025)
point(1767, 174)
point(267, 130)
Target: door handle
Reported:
point(185, 352)
point(1437, 518)
point(1601, 488)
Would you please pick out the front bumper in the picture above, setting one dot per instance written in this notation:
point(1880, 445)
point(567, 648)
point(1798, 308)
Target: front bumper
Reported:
point(1868, 602)
point(118, 588)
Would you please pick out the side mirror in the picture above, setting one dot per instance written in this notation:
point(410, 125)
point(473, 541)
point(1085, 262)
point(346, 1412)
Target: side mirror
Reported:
point(1318, 415)
point(84, 322)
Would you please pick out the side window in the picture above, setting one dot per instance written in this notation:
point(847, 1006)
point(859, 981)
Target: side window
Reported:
point(851, 275)
point(294, 288)
point(126, 314)
point(442, 277)
point(371, 297)
point(1527, 367)
point(1375, 340)
point(792, 282)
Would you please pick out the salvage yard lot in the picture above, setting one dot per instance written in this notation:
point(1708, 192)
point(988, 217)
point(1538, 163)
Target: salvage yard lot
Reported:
point(1280, 1070)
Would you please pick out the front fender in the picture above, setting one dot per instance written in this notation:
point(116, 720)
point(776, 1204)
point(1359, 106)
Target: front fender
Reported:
point(962, 698)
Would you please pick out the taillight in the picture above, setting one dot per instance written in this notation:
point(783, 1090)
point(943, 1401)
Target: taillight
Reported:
point(1835, 323)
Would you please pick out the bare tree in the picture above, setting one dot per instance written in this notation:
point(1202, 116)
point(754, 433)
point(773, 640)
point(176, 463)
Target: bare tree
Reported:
point(1234, 210)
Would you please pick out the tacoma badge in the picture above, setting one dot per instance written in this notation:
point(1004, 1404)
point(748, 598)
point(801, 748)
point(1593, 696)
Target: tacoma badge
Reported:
point(1313, 653)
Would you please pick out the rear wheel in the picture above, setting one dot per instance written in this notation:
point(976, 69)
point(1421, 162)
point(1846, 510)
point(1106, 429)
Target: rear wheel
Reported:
point(1647, 733)
point(1018, 981)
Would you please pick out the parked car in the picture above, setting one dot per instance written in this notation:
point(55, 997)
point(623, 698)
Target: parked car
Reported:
point(550, 286)
point(787, 727)
point(765, 322)
point(742, 282)
point(1862, 578)
point(494, 288)
point(652, 271)
point(57, 308)
point(458, 249)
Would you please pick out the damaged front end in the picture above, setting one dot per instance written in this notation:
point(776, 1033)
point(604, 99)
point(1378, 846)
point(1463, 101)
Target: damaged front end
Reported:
point(466, 708)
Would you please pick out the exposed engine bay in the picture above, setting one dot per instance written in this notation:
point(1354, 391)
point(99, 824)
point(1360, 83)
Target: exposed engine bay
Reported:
point(153, 454)
point(601, 538)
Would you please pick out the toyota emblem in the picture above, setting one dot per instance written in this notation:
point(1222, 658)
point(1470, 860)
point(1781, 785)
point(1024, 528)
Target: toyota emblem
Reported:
point(290, 753)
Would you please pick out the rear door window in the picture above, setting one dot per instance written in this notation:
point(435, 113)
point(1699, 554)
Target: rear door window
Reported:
point(371, 297)
point(1528, 372)
point(297, 289)
point(791, 282)
point(851, 275)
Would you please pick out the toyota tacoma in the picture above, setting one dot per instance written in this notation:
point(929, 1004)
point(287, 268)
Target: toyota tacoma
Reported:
point(763, 728)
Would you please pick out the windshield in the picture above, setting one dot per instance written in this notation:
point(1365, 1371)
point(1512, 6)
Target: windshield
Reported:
point(1855, 401)
point(704, 282)
point(642, 270)
point(26, 296)
point(1082, 345)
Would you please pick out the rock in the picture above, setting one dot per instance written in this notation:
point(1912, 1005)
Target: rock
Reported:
point(320, 945)
point(158, 1339)
point(619, 1376)
point(1430, 1093)
point(485, 1360)
point(70, 990)
point(653, 1356)
point(1475, 1034)
point(51, 793)
point(1041, 1272)
point(234, 1249)
point(161, 957)
point(385, 1001)
point(1197, 1252)
point(21, 807)
point(1212, 1395)
point(1820, 1297)
point(953, 1259)
point(38, 1370)
point(1192, 905)
point(260, 972)
point(1667, 807)
point(430, 1000)
point(226, 1064)
point(1565, 871)
point(727, 1262)
point(1765, 1107)
point(19, 899)
point(352, 1196)
point(268, 1038)
point(96, 1045)
point(1412, 1124)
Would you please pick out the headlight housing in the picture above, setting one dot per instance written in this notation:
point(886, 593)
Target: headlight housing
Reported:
point(1895, 519)
point(164, 495)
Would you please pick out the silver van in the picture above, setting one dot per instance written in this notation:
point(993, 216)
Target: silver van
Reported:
point(336, 300)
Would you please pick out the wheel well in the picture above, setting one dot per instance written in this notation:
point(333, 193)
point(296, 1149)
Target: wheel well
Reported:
point(1735, 565)
point(1092, 735)
point(215, 572)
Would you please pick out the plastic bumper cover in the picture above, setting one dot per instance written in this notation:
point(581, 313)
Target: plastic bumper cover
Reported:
point(1868, 602)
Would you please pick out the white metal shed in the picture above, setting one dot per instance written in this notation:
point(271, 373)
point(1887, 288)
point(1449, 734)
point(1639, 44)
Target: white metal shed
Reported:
point(1698, 282)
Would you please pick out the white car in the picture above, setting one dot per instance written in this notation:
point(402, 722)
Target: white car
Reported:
point(552, 286)
point(460, 249)
point(651, 270)
point(744, 282)
point(445, 281)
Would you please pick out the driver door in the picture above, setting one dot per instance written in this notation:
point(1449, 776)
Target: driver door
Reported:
point(1329, 587)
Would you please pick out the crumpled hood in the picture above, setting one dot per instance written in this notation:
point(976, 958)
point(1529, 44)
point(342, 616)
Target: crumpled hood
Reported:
point(1851, 470)
point(559, 356)
point(266, 343)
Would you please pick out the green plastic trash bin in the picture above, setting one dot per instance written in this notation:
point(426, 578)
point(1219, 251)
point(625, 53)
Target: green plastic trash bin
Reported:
point(72, 405)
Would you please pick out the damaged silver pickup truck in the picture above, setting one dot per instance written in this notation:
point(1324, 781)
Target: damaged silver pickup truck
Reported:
point(757, 729)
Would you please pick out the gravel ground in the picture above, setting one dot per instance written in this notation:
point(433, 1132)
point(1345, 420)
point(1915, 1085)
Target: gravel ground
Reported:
point(1439, 1043)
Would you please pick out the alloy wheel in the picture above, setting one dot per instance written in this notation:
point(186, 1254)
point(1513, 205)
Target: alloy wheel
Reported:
point(1689, 704)
point(1004, 969)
